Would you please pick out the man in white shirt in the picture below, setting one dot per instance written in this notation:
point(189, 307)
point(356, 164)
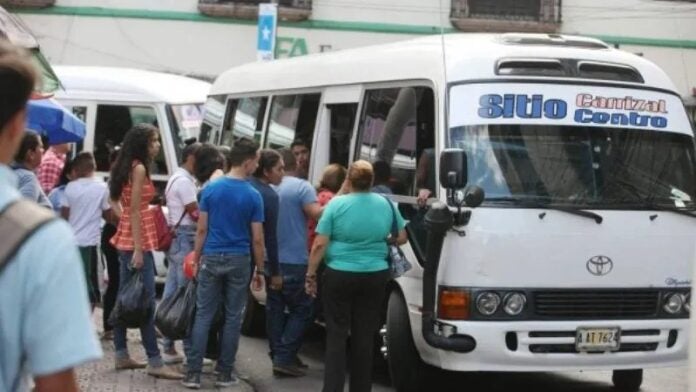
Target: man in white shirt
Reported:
point(83, 204)
point(182, 204)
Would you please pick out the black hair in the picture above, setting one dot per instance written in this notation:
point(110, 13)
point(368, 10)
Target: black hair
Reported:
point(382, 172)
point(288, 159)
point(242, 150)
point(225, 151)
point(30, 142)
point(191, 147)
point(17, 80)
point(208, 159)
point(298, 142)
point(267, 160)
point(83, 163)
point(135, 147)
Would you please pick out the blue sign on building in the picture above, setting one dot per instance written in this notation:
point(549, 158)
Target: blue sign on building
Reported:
point(268, 17)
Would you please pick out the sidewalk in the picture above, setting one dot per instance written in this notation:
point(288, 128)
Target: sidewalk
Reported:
point(101, 376)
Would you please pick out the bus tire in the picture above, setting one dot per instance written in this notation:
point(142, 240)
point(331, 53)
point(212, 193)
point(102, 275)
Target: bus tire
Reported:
point(406, 368)
point(627, 380)
point(254, 321)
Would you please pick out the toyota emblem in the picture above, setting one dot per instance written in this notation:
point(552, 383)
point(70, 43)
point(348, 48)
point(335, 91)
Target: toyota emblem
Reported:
point(599, 265)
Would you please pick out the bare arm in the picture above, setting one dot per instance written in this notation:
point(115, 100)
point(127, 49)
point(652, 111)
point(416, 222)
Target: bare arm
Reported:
point(192, 210)
point(58, 382)
point(402, 238)
point(136, 197)
point(201, 234)
point(258, 246)
point(313, 210)
point(318, 251)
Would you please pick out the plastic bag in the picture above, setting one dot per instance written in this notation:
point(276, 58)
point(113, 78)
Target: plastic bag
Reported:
point(174, 316)
point(133, 308)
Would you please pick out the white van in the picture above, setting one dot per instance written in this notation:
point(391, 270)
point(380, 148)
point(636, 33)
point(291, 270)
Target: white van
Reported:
point(111, 100)
point(567, 173)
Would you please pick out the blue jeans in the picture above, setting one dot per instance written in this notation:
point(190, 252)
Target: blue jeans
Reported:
point(226, 277)
point(286, 331)
point(147, 332)
point(181, 246)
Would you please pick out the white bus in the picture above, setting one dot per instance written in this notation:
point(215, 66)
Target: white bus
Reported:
point(111, 100)
point(573, 238)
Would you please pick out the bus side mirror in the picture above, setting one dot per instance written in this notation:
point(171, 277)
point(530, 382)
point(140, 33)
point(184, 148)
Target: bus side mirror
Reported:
point(453, 171)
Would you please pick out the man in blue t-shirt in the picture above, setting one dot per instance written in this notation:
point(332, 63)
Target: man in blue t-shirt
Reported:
point(229, 225)
point(298, 201)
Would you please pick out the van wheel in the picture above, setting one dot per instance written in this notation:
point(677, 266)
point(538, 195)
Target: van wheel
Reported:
point(254, 321)
point(406, 368)
point(627, 380)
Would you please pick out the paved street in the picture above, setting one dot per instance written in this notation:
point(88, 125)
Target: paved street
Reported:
point(254, 367)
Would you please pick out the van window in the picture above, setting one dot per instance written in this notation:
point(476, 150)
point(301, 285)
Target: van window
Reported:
point(244, 119)
point(397, 135)
point(112, 123)
point(185, 123)
point(342, 122)
point(293, 117)
point(397, 130)
point(212, 119)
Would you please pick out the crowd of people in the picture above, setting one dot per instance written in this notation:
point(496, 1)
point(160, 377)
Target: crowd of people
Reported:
point(250, 218)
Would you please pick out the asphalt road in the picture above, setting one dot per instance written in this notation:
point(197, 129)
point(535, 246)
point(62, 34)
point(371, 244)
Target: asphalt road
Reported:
point(253, 362)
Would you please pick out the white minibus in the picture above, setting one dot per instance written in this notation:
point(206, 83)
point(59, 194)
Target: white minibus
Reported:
point(111, 100)
point(563, 168)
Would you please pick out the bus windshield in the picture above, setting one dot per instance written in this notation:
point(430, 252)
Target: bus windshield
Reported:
point(582, 167)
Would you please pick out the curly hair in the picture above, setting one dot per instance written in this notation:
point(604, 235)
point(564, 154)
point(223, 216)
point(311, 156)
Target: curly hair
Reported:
point(134, 148)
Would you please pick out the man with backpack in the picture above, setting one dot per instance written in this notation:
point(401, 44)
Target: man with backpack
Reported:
point(44, 311)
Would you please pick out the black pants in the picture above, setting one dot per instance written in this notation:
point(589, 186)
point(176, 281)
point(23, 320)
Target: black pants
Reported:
point(112, 265)
point(352, 303)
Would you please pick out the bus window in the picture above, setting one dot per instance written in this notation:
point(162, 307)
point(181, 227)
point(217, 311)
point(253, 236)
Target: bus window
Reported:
point(293, 117)
point(397, 136)
point(397, 130)
point(213, 111)
point(243, 119)
point(112, 123)
point(342, 122)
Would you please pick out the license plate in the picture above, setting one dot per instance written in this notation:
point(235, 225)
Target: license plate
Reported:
point(597, 339)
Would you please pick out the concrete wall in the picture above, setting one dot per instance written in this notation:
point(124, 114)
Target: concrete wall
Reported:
point(171, 34)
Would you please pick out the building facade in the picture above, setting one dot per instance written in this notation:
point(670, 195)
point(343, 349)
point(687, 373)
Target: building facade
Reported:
point(205, 37)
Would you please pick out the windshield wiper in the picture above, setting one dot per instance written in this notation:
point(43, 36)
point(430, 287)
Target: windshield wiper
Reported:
point(649, 202)
point(546, 205)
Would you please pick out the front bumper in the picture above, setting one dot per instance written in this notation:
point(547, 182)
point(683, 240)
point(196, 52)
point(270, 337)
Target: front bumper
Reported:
point(544, 346)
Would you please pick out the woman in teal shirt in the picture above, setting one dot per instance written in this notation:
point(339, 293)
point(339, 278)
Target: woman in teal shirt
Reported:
point(352, 235)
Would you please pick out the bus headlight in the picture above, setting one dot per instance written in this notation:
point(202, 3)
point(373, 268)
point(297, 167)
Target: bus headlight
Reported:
point(513, 303)
point(674, 302)
point(487, 303)
point(687, 302)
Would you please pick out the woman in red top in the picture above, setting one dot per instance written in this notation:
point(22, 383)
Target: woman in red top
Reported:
point(136, 238)
point(331, 181)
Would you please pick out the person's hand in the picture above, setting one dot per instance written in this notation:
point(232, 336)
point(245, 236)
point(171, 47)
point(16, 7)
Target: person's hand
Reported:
point(137, 261)
point(258, 282)
point(276, 282)
point(311, 285)
point(423, 195)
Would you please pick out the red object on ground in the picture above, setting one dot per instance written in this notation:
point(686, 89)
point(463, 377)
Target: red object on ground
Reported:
point(189, 268)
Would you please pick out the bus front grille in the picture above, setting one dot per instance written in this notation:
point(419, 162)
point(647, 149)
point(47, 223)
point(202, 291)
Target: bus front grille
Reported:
point(596, 304)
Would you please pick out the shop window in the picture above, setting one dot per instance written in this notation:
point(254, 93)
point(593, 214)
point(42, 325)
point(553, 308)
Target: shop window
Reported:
point(507, 15)
point(288, 10)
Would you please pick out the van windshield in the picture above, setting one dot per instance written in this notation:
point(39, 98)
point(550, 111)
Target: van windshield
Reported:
point(533, 165)
point(185, 123)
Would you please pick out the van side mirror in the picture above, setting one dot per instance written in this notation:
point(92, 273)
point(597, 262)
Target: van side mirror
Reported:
point(453, 170)
point(473, 196)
